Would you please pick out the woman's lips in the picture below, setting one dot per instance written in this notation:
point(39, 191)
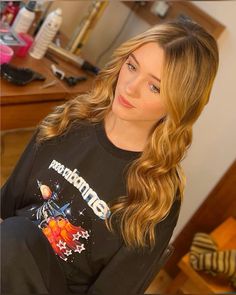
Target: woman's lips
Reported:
point(124, 102)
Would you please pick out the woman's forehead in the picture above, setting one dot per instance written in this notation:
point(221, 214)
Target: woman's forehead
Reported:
point(150, 58)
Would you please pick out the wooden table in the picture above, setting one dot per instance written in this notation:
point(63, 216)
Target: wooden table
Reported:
point(26, 106)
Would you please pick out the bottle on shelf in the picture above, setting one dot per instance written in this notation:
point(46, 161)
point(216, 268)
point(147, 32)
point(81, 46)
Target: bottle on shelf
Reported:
point(24, 18)
point(46, 34)
point(39, 10)
point(9, 12)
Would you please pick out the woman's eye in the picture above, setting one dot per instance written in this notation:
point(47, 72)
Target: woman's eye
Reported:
point(130, 66)
point(154, 89)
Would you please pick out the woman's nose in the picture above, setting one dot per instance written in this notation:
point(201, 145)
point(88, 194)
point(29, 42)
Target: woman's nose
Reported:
point(132, 87)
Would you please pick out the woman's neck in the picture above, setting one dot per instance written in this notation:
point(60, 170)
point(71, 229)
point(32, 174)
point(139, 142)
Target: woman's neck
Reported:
point(127, 135)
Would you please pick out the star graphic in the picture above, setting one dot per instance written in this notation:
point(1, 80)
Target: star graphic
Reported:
point(68, 252)
point(76, 236)
point(85, 235)
point(68, 211)
point(57, 186)
point(82, 212)
point(62, 209)
point(79, 248)
point(61, 245)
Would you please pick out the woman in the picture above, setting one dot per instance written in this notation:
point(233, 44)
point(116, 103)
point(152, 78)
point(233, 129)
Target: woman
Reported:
point(101, 178)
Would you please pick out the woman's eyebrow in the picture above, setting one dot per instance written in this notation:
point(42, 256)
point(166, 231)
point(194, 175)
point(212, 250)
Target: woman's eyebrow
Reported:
point(133, 56)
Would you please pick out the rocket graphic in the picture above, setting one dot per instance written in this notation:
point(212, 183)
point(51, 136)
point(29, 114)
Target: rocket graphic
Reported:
point(63, 236)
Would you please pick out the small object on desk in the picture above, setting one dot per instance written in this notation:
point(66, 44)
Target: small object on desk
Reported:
point(9, 11)
point(57, 72)
point(24, 18)
point(57, 41)
point(9, 37)
point(23, 50)
point(6, 53)
point(46, 33)
point(76, 59)
point(19, 76)
point(72, 81)
point(49, 84)
point(89, 67)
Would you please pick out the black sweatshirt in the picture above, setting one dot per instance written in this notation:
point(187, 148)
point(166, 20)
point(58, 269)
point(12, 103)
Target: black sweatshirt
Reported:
point(64, 185)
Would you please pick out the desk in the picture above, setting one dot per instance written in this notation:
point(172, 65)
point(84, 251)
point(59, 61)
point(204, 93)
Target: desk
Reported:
point(26, 106)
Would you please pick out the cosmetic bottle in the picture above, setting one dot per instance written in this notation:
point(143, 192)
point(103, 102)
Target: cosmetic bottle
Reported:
point(9, 12)
point(46, 34)
point(24, 18)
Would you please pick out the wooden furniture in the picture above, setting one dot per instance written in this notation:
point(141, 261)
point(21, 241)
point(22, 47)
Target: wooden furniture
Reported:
point(158, 284)
point(177, 8)
point(25, 106)
point(215, 209)
point(191, 281)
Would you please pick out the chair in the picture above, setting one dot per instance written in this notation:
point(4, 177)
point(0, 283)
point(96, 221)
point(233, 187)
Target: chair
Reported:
point(190, 281)
point(161, 262)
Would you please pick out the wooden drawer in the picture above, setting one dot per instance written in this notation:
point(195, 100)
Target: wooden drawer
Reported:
point(25, 115)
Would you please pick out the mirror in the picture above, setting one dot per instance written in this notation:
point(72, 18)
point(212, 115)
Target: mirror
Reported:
point(93, 29)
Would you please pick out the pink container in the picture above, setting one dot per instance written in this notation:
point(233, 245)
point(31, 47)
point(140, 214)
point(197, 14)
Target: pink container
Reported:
point(6, 53)
point(23, 50)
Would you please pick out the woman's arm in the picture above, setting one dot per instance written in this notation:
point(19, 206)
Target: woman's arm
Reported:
point(12, 193)
point(130, 272)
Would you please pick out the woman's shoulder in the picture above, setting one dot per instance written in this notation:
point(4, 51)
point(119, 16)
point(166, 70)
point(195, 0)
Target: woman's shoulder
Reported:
point(80, 126)
point(81, 129)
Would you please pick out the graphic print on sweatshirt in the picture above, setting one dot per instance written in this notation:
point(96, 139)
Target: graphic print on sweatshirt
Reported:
point(54, 217)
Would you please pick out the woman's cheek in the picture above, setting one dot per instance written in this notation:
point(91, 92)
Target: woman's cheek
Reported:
point(155, 107)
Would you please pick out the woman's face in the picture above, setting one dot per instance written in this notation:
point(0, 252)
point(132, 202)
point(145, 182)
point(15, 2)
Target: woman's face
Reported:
point(137, 93)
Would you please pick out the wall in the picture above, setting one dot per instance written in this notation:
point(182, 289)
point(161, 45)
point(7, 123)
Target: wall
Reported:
point(214, 141)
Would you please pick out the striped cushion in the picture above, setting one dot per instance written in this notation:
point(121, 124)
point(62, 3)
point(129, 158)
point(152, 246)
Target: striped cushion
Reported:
point(202, 243)
point(205, 256)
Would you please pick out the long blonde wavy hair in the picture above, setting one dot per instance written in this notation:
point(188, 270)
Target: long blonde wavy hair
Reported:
point(156, 177)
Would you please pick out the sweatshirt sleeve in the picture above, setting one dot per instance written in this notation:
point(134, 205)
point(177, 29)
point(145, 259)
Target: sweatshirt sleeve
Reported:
point(12, 192)
point(130, 272)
